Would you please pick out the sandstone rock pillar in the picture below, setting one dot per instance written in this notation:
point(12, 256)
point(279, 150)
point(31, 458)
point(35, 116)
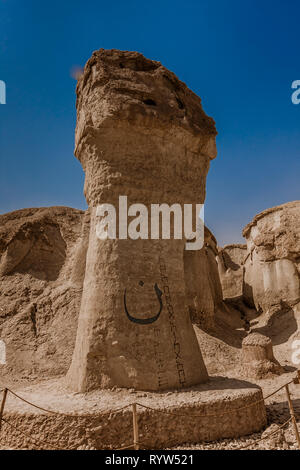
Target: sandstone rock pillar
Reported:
point(140, 133)
point(272, 267)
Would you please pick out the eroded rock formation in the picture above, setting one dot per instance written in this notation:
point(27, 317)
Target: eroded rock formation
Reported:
point(203, 287)
point(230, 261)
point(143, 134)
point(257, 357)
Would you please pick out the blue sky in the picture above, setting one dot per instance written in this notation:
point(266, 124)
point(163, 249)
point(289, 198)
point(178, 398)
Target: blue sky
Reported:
point(241, 57)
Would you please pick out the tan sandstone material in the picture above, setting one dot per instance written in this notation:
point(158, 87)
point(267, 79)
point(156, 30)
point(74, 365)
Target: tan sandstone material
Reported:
point(272, 266)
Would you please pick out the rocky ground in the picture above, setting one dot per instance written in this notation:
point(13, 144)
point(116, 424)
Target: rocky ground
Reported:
point(277, 412)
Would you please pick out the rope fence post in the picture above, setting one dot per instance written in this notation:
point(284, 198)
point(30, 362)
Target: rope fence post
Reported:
point(135, 428)
point(292, 412)
point(3, 405)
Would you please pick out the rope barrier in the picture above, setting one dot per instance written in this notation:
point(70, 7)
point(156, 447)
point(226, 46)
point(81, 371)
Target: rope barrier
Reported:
point(280, 388)
point(125, 447)
point(140, 444)
point(32, 404)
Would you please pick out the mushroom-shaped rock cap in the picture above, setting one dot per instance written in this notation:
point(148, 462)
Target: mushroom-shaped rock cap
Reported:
point(122, 85)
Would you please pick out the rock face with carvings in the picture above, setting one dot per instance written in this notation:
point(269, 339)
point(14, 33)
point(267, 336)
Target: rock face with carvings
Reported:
point(272, 265)
point(143, 134)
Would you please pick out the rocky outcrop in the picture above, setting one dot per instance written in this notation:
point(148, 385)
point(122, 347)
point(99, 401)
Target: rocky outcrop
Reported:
point(39, 296)
point(143, 134)
point(230, 261)
point(272, 266)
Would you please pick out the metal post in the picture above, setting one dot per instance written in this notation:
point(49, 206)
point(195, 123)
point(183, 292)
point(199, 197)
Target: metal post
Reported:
point(292, 414)
point(2, 405)
point(135, 427)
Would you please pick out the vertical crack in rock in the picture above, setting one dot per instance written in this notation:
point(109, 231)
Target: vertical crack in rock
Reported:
point(33, 311)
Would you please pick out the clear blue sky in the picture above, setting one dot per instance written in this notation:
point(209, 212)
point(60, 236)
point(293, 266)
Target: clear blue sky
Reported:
point(239, 56)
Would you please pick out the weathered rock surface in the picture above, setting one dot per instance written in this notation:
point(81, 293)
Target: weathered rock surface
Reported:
point(274, 438)
point(203, 287)
point(143, 134)
point(40, 292)
point(231, 271)
point(272, 266)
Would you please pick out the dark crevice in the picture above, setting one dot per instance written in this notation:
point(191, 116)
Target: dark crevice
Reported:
point(33, 311)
